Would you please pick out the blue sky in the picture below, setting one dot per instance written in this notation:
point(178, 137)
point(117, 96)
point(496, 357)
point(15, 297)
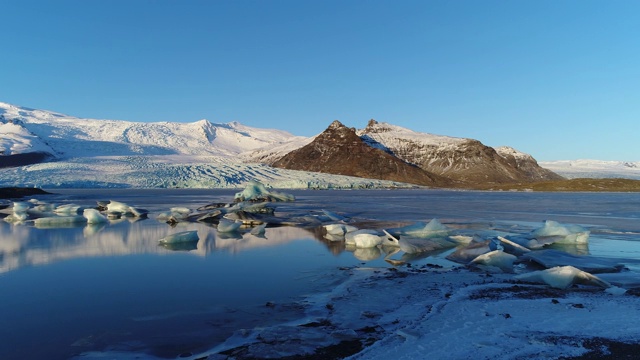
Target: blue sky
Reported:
point(556, 79)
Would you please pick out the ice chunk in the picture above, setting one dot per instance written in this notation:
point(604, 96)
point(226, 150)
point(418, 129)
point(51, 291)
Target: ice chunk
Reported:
point(562, 277)
point(562, 234)
point(68, 209)
point(180, 237)
point(496, 258)
point(552, 258)
point(59, 221)
point(256, 191)
point(259, 230)
point(349, 238)
point(21, 206)
point(365, 240)
point(226, 226)
point(116, 207)
point(419, 230)
point(94, 216)
point(417, 245)
point(465, 254)
point(339, 229)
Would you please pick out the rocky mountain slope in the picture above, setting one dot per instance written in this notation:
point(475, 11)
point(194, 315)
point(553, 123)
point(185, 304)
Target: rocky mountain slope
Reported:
point(463, 160)
point(339, 150)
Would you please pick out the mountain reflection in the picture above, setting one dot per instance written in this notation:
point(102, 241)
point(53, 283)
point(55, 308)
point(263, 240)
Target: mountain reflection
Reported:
point(23, 245)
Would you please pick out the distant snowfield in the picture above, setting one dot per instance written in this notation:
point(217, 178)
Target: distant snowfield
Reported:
point(594, 168)
point(174, 171)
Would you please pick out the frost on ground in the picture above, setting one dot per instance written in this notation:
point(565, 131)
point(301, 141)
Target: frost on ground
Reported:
point(433, 313)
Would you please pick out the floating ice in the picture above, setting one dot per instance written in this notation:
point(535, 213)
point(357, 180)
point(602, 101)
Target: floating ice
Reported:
point(553, 258)
point(467, 253)
point(180, 237)
point(59, 221)
point(68, 209)
point(562, 277)
point(365, 240)
point(116, 207)
point(93, 216)
point(339, 229)
point(21, 206)
point(256, 191)
point(349, 238)
point(562, 234)
point(417, 245)
point(259, 230)
point(226, 226)
point(497, 258)
point(433, 229)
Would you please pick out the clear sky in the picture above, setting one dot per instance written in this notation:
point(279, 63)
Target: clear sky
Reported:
point(557, 79)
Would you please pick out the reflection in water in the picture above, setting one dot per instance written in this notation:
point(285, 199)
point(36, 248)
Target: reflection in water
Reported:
point(24, 245)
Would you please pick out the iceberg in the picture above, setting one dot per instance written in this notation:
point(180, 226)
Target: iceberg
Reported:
point(21, 206)
point(180, 237)
point(122, 209)
point(419, 230)
point(496, 259)
point(561, 234)
point(365, 240)
point(59, 221)
point(68, 209)
point(93, 216)
point(259, 230)
point(417, 245)
point(552, 258)
point(256, 191)
point(349, 238)
point(562, 277)
point(339, 229)
point(227, 226)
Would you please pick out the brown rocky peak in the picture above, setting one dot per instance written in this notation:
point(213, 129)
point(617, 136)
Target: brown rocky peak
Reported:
point(374, 127)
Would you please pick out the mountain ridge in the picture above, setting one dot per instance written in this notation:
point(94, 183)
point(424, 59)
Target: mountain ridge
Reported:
point(401, 154)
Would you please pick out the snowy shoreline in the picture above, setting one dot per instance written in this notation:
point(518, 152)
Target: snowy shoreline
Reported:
point(431, 312)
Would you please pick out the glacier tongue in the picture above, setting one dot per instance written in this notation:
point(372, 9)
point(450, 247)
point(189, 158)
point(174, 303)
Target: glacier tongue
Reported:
point(174, 172)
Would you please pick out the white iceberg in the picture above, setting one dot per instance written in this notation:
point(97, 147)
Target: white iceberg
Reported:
point(562, 277)
point(59, 221)
point(496, 259)
point(94, 216)
point(256, 191)
point(68, 209)
point(561, 234)
point(365, 240)
point(419, 230)
point(349, 237)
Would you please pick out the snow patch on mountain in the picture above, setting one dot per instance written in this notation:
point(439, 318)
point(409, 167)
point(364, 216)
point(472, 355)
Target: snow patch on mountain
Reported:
point(585, 168)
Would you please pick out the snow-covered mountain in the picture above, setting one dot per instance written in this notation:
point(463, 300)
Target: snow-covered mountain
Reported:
point(465, 160)
point(28, 130)
point(50, 149)
point(594, 168)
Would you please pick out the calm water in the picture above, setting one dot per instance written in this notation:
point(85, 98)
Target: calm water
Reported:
point(65, 291)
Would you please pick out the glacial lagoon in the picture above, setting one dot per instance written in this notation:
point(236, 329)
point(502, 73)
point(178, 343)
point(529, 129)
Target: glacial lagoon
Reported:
point(66, 291)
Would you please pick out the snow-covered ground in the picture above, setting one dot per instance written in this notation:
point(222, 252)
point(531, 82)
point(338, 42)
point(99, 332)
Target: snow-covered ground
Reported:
point(594, 168)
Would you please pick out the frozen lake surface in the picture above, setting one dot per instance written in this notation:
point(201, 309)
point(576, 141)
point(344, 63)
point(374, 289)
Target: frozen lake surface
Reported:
point(88, 289)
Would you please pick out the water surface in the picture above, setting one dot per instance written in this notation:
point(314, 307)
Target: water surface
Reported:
point(65, 291)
